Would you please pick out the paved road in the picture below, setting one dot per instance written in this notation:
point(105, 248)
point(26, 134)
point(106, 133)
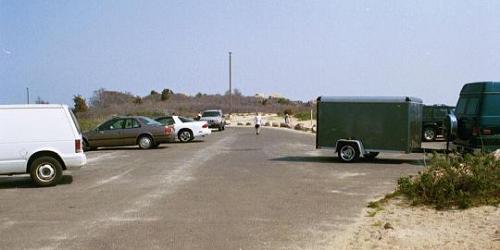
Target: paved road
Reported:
point(234, 190)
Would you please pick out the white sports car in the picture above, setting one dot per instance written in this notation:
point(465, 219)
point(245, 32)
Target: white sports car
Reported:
point(186, 129)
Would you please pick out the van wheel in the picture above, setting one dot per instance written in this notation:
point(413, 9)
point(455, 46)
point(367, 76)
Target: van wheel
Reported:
point(429, 134)
point(145, 142)
point(45, 171)
point(370, 155)
point(348, 152)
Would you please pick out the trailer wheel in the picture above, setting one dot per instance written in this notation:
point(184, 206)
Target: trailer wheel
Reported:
point(348, 152)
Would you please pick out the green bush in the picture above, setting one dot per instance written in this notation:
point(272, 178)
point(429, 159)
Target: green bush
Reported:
point(455, 181)
point(88, 124)
point(304, 116)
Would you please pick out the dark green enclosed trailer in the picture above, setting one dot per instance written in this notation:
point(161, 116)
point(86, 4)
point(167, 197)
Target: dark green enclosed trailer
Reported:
point(365, 126)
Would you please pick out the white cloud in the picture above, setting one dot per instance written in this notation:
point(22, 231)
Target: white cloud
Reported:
point(7, 52)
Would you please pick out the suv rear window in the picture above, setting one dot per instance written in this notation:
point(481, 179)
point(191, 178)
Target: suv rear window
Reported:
point(467, 106)
point(472, 106)
point(491, 105)
point(210, 114)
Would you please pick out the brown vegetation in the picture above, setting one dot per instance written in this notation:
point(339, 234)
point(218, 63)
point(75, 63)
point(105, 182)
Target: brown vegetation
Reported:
point(105, 103)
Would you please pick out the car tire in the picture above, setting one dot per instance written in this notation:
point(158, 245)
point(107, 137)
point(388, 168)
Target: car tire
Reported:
point(145, 142)
point(429, 134)
point(370, 155)
point(220, 127)
point(185, 135)
point(348, 152)
point(46, 171)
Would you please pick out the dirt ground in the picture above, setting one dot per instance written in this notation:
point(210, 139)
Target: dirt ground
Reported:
point(400, 226)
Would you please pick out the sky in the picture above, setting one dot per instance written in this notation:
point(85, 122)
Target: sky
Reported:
point(299, 49)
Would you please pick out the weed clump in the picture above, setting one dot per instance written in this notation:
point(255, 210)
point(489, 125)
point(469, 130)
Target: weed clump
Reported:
point(455, 181)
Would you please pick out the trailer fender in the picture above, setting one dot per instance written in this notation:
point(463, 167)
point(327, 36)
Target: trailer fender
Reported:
point(361, 148)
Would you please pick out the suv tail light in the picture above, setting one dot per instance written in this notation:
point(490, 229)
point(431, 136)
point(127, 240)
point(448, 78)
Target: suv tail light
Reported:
point(205, 125)
point(78, 146)
point(476, 131)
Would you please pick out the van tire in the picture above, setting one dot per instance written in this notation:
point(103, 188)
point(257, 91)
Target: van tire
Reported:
point(348, 152)
point(145, 142)
point(46, 171)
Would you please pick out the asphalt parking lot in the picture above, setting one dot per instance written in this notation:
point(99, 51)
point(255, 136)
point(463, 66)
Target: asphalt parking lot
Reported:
point(232, 190)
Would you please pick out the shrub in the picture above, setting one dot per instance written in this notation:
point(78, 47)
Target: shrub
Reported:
point(80, 104)
point(165, 94)
point(304, 116)
point(137, 100)
point(455, 181)
point(88, 124)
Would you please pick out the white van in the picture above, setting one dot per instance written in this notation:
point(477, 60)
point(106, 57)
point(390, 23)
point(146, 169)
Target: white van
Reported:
point(40, 139)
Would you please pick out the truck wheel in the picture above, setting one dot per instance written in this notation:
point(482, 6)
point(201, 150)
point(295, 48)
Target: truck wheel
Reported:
point(45, 171)
point(348, 152)
point(145, 142)
point(429, 134)
point(371, 155)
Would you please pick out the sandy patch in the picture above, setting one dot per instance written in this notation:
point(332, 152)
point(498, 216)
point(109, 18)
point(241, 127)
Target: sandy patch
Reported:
point(400, 226)
point(271, 118)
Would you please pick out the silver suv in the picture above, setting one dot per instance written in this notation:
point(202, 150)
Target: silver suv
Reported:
point(214, 118)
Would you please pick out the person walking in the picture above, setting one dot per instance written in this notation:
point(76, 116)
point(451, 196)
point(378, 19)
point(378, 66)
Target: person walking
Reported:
point(287, 120)
point(258, 122)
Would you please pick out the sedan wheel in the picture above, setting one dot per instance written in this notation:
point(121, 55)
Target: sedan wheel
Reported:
point(185, 136)
point(145, 142)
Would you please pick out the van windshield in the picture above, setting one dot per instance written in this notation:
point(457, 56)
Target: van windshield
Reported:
point(75, 121)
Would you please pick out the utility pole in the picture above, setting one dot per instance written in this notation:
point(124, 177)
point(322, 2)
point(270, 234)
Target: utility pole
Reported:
point(28, 95)
point(230, 87)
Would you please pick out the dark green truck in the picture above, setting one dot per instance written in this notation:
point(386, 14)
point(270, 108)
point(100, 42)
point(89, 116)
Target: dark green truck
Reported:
point(433, 121)
point(365, 126)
